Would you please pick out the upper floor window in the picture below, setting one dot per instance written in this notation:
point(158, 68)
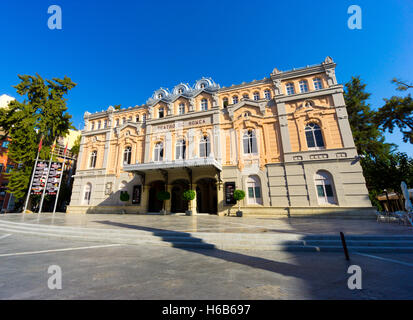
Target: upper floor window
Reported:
point(250, 142)
point(245, 96)
point(256, 96)
point(225, 102)
point(130, 118)
point(127, 154)
point(318, 84)
point(180, 149)
point(137, 118)
point(99, 125)
point(202, 86)
point(181, 108)
point(117, 122)
point(267, 94)
point(314, 135)
point(144, 118)
point(93, 156)
point(123, 120)
point(160, 96)
point(204, 147)
point(204, 104)
point(161, 112)
point(290, 88)
point(303, 86)
point(105, 124)
point(180, 90)
point(234, 99)
point(92, 127)
point(158, 152)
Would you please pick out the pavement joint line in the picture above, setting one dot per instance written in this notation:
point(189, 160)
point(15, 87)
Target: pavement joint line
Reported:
point(59, 250)
point(384, 259)
point(5, 236)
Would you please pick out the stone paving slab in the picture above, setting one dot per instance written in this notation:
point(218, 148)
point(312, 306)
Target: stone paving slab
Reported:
point(213, 224)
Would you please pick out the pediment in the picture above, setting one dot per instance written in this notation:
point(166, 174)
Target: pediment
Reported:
point(247, 103)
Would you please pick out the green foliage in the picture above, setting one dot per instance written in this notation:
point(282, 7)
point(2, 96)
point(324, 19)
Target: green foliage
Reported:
point(117, 107)
point(239, 195)
point(124, 196)
point(163, 195)
point(76, 146)
point(42, 113)
point(368, 138)
point(397, 112)
point(188, 195)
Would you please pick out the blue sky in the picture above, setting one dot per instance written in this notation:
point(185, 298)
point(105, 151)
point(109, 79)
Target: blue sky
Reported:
point(119, 52)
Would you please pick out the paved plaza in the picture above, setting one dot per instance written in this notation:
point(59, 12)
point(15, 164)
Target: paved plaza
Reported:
point(108, 270)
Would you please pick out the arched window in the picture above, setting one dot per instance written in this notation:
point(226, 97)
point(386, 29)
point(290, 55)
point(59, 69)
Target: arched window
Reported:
point(204, 104)
point(204, 147)
point(267, 94)
point(318, 84)
point(144, 118)
point(99, 124)
point(123, 120)
point(161, 112)
point(160, 96)
point(180, 90)
point(181, 108)
point(245, 96)
point(127, 154)
point(250, 142)
point(254, 190)
point(87, 193)
point(256, 95)
point(158, 152)
point(202, 85)
point(290, 88)
point(325, 188)
point(105, 124)
point(180, 150)
point(92, 126)
point(117, 122)
point(137, 118)
point(234, 99)
point(93, 157)
point(225, 102)
point(314, 136)
point(303, 86)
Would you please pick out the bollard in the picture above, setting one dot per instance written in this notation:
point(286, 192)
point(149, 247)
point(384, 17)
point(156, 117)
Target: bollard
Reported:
point(343, 242)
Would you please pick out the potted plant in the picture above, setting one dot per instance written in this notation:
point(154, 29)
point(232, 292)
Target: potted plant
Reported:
point(124, 197)
point(189, 195)
point(163, 196)
point(239, 195)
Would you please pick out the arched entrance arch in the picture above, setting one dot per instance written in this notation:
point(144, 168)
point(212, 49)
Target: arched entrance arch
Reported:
point(155, 205)
point(206, 196)
point(177, 203)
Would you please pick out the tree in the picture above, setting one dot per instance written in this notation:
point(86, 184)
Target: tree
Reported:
point(368, 138)
point(76, 146)
point(41, 114)
point(397, 112)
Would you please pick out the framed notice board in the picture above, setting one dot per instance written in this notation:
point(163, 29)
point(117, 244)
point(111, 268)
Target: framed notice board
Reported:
point(229, 188)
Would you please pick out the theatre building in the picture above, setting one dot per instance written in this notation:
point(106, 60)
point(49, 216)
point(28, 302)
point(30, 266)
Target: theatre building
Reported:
point(285, 140)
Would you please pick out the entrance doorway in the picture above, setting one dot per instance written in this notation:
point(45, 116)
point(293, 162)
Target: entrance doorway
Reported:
point(154, 204)
point(177, 203)
point(206, 196)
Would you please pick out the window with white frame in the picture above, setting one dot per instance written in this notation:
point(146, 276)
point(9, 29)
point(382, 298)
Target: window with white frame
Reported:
point(250, 142)
point(290, 88)
point(117, 122)
point(314, 136)
point(158, 152)
point(245, 96)
point(137, 118)
point(204, 104)
point(267, 94)
point(92, 126)
point(180, 149)
point(234, 99)
point(318, 84)
point(325, 188)
point(105, 124)
point(127, 155)
point(303, 86)
point(204, 147)
point(161, 112)
point(87, 193)
point(256, 95)
point(254, 190)
point(98, 124)
point(93, 156)
point(144, 118)
point(181, 108)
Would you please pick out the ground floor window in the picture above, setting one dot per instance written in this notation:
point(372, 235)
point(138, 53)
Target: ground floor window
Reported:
point(254, 190)
point(87, 194)
point(325, 188)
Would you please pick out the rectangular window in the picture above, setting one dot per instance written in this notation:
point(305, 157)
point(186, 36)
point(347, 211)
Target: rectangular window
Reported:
point(250, 192)
point(329, 190)
point(257, 192)
point(320, 191)
point(310, 139)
